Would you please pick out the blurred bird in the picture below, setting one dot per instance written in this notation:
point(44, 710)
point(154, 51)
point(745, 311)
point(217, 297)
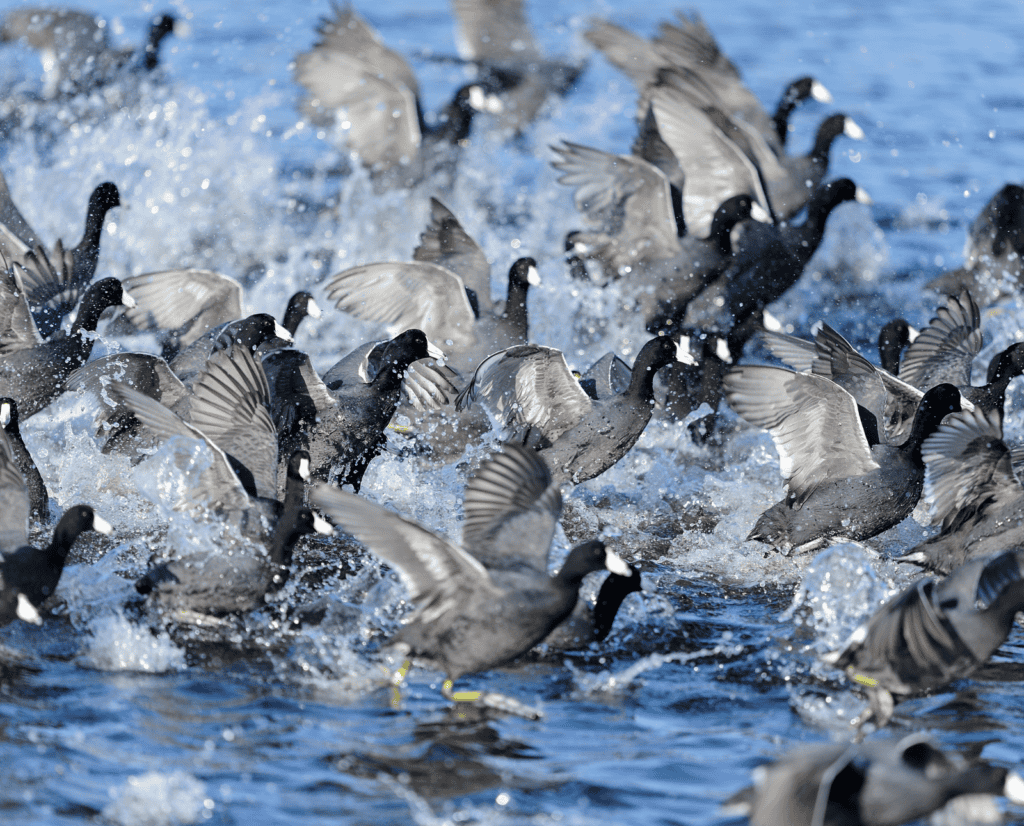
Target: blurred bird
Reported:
point(75, 49)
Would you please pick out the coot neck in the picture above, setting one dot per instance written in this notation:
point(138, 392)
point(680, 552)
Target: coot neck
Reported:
point(515, 306)
point(930, 413)
point(654, 355)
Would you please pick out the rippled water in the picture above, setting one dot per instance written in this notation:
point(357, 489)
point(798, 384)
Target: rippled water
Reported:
point(711, 670)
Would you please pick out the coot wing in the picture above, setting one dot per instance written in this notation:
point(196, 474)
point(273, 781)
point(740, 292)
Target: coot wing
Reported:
point(494, 31)
point(191, 301)
point(530, 390)
point(435, 571)
point(17, 328)
point(966, 461)
point(627, 195)
point(716, 168)
point(231, 405)
point(813, 422)
point(218, 485)
point(380, 109)
point(944, 351)
point(511, 510)
point(14, 501)
point(444, 242)
point(407, 295)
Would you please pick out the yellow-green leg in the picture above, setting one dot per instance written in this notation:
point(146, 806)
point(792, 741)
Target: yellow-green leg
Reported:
point(396, 679)
point(459, 696)
point(498, 702)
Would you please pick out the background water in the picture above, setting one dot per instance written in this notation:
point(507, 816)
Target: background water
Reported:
point(712, 670)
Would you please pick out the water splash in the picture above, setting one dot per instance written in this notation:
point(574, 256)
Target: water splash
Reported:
point(159, 799)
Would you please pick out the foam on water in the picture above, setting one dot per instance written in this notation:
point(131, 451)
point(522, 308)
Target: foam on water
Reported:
point(118, 644)
point(158, 799)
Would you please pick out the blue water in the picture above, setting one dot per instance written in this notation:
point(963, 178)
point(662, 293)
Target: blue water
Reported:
point(710, 671)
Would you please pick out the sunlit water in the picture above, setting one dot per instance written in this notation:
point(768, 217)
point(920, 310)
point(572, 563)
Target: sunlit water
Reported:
point(713, 669)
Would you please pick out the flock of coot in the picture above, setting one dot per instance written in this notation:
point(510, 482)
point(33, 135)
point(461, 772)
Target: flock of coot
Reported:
point(705, 221)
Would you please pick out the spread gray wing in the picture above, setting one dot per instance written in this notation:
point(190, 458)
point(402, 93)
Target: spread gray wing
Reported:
point(944, 351)
point(231, 405)
point(967, 461)
point(511, 510)
point(626, 195)
point(813, 422)
point(350, 71)
point(14, 500)
point(407, 296)
point(716, 168)
point(17, 327)
point(435, 572)
point(794, 352)
point(447, 244)
point(217, 485)
point(494, 31)
point(188, 301)
point(531, 392)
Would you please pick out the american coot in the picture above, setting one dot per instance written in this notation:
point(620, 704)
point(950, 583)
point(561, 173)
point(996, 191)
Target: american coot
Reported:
point(769, 260)
point(33, 371)
point(945, 350)
point(260, 331)
point(893, 339)
point(341, 418)
point(667, 288)
point(14, 446)
point(424, 296)
point(689, 44)
point(480, 606)
point(640, 233)
point(942, 352)
point(994, 251)
point(75, 48)
point(535, 396)
point(888, 398)
point(950, 364)
point(971, 488)
point(840, 481)
point(877, 783)
point(54, 282)
point(230, 414)
point(592, 623)
point(428, 382)
point(789, 181)
point(182, 305)
point(800, 175)
point(496, 36)
point(716, 168)
point(29, 575)
point(350, 71)
point(445, 243)
point(688, 386)
point(628, 198)
point(934, 632)
point(216, 583)
point(301, 305)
